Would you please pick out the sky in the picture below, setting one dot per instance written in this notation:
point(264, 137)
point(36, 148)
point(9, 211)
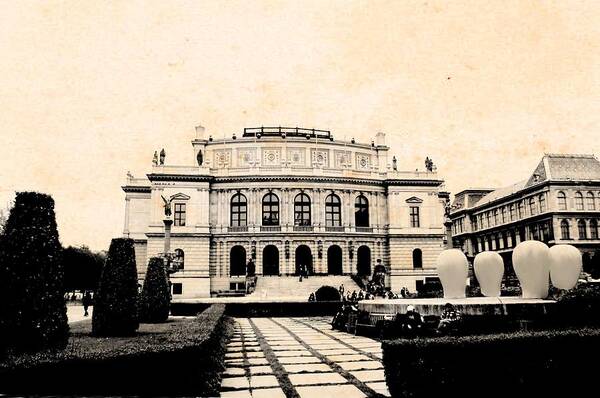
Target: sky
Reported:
point(89, 90)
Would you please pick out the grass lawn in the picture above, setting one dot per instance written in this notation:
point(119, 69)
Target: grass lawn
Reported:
point(191, 348)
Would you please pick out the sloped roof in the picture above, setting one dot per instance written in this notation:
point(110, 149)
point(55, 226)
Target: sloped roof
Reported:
point(501, 192)
point(555, 167)
point(573, 167)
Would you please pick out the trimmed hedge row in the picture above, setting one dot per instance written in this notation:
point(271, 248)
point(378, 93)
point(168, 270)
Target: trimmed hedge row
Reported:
point(516, 364)
point(266, 309)
point(183, 357)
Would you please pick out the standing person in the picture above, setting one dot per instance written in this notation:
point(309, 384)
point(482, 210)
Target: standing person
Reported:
point(341, 290)
point(87, 300)
point(301, 271)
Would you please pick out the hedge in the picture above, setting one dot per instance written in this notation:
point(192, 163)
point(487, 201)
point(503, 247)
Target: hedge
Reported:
point(180, 357)
point(116, 300)
point(516, 364)
point(155, 298)
point(33, 314)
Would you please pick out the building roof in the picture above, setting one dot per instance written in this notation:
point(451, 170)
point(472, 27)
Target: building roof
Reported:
point(552, 167)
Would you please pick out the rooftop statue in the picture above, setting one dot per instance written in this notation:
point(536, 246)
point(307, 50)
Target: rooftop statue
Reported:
point(162, 156)
point(155, 159)
point(199, 158)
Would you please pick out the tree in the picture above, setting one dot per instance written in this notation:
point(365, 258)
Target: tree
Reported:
point(115, 302)
point(33, 314)
point(155, 299)
point(82, 268)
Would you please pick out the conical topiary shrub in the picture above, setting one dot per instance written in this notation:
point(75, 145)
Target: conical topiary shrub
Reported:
point(115, 302)
point(155, 299)
point(33, 314)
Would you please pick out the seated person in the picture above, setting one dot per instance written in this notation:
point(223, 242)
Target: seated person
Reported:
point(412, 322)
point(449, 320)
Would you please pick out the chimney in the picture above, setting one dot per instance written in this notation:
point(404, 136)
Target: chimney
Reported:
point(380, 139)
point(200, 132)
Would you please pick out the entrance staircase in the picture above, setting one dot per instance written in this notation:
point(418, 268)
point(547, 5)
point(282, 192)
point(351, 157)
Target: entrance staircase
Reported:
point(290, 287)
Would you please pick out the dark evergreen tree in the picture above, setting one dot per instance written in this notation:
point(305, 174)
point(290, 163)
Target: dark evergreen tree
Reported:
point(82, 268)
point(115, 302)
point(155, 299)
point(33, 313)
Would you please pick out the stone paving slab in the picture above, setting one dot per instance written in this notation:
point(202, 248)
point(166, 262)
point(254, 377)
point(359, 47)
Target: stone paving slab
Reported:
point(300, 379)
point(369, 375)
point(307, 368)
point(306, 349)
point(345, 391)
point(358, 365)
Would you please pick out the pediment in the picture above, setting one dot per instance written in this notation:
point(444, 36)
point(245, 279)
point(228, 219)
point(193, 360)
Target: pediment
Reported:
point(180, 196)
point(414, 199)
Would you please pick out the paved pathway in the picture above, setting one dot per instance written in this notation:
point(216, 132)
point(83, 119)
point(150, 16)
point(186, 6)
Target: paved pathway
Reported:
point(300, 357)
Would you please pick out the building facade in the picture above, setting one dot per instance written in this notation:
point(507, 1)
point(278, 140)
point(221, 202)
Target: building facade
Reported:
point(559, 203)
point(286, 198)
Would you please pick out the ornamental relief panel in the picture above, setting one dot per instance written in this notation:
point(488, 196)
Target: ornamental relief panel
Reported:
point(320, 158)
point(295, 156)
point(342, 159)
point(271, 156)
point(363, 161)
point(246, 157)
point(222, 158)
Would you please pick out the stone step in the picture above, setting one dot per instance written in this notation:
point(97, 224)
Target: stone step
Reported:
point(291, 286)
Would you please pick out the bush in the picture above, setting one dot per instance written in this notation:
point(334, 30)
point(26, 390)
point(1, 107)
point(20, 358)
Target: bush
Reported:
point(82, 268)
point(526, 364)
point(115, 302)
point(327, 293)
point(190, 351)
point(33, 313)
point(156, 296)
point(578, 306)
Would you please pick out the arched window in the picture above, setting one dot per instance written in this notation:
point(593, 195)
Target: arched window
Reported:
point(239, 210)
point(503, 211)
point(270, 209)
point(520, 210)
point(417, 257)
point(302, 210)
point(591, 201)
point(532, 207)
point(512, 212)
point(179, 259)
point(582, 228)
point(361, 211)
point(578, 201)
point(495, 217)
point(562, 200)
point(542, 199)
point(565, 230)
point(593, 229)
point(237, 261)
point(333, 213)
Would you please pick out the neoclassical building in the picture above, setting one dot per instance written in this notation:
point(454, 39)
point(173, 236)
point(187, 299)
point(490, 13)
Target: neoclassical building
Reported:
point(286, 197)
point(558, 203)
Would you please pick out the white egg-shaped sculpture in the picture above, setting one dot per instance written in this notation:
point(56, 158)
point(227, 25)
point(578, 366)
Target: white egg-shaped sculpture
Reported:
point(453, 269)
point(565, 266)
point(531, 262)
point(489, 269)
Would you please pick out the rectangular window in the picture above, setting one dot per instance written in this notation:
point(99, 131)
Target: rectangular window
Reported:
point(177, 288)
point(179, 218)
point(414, 217)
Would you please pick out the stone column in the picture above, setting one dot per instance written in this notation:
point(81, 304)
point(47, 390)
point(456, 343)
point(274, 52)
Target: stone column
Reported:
point(126, 226)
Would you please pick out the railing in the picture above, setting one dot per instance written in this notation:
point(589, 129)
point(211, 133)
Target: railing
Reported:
point(335, 229)
point(364, 229)
point(270, 228)
point(238, 229)
point(291, 131)
point(303, 228)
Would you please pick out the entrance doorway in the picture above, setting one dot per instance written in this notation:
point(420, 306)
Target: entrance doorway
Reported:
point(363, 261)
point(334, 260)
point(304, 257)
point(237, 261)
point(270, 260)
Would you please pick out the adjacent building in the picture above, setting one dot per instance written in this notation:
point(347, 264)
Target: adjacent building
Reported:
point(558, 203)
point(287, 198)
